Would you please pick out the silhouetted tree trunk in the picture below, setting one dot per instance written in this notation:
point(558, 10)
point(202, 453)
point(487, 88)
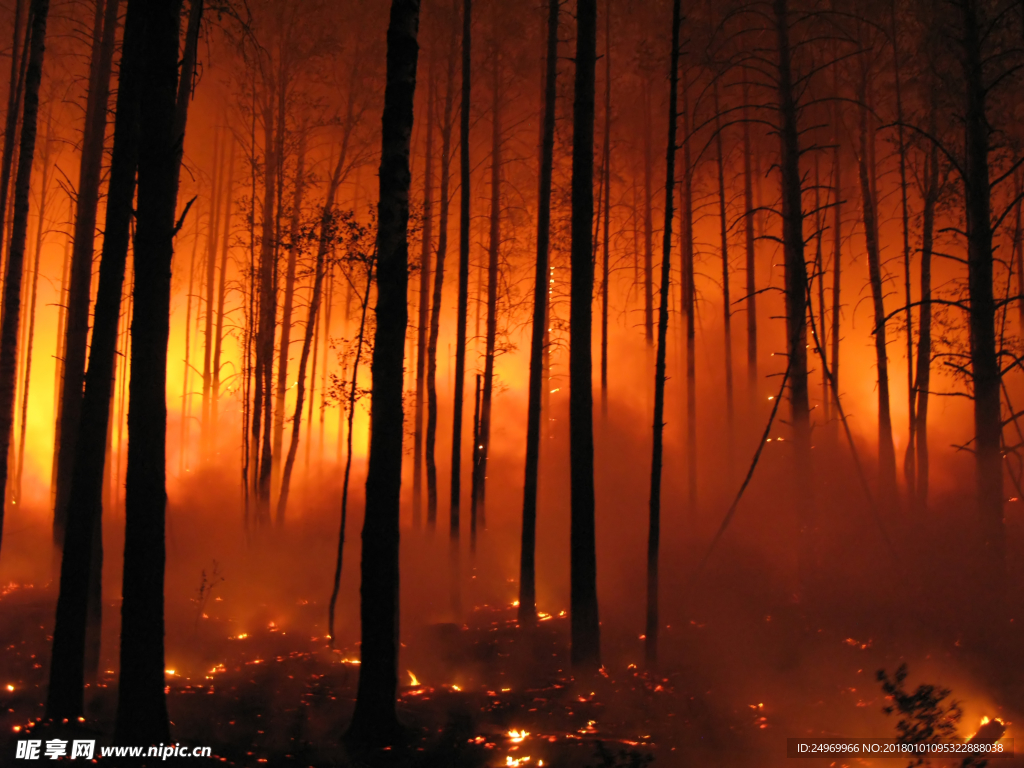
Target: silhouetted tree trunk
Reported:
point(585, 626)
point(26, 388)
point(724, 245)
point(922, 381)
point(652, 625)
point(886, 450)
point(689, 302)
point(307, 341)
point(435, 305)
point(218, 336)
point(909, 461)
point(837, 234)
point(463, 301)
point(484, 442)
point(424, 303)
point(286, 318)
point(819, 278)
point(212, 231)
point(748, 218)
point(648, 219)
point(267, 309)
point(11, 316)
point(374, 719)
point(527, 555)
point(77, 329)
point(796, 292)
point(984, 357)
point(606, 166)
point(19, 60)
point(185, 430)
point(141, 705)
point(349, 409)
point(64, 698)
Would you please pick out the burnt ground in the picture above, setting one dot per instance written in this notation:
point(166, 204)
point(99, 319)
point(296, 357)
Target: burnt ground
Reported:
point(280, 696)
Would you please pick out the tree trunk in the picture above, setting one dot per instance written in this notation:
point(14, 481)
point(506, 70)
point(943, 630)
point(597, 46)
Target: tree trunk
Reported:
point(909, 461)
point(652, 625)
point(648, 219)
point(435, 306)
point(484, 443)
point(689, 301)
point(606, 165)
point(19, 61)
point(77, 329)
point(307, 341)
point(424, 303)
point(11, 315)
point(837, 238)
point(141, 704)
point(527, 554)
point(218, 336)
point(213, 229)
point(886, 450)
point(726, 302)
point(46, 160)
point(286, 318)
point(984, 356)
point(585, 626)
point(748, 218)
point(350, 409)
point(796, 295)
point(463, 302)
point(185, 432)
point(922, 381)
point(374, 720)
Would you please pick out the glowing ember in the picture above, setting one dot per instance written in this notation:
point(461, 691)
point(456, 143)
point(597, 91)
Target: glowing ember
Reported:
point(591, 727)
point(241, 636)
point(10, 687)
point(518, 736)
point(169, 672)
point(456, 688)
point(511, 762)
point(413, 680)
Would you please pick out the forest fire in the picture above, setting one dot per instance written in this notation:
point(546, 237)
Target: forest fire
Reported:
point(644, 375)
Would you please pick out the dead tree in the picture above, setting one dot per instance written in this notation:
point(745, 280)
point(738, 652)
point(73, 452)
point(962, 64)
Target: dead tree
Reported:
point(436, 296)
point(11, 315)
point(424, 303)
point(218, 335)
point(374, 720)
point(483, 445)
point(749, 240)
point(141, 703)
point(67, 669)
point(286, 316)
point(795, 281)
point(77, 327)
point(528, 548)
point(652, 626)
point(326, 224)
point(463, 300)
point(886, 449)
point(584, 622)
point(606, 238)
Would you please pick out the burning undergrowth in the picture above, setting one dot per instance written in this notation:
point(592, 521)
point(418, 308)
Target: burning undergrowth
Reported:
point(483, 693)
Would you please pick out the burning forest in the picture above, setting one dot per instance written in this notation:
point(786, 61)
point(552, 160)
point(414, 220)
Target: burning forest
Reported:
point(569, 383)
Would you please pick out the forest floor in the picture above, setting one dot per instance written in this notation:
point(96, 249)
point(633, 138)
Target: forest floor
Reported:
point(488, 694)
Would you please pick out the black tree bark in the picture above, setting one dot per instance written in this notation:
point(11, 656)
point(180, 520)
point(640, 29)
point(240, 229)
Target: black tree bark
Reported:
point(585, 625)
point(374, 720)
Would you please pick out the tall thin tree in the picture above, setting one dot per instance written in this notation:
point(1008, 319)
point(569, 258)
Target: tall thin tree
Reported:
point(374, 719)
point(527, 553)
point(653, 626)
point(584, 622)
